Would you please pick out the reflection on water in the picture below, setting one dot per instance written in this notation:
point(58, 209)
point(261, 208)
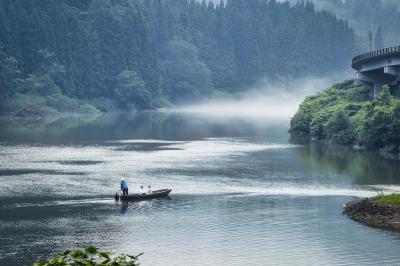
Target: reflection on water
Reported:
point(366, 167)
point(142, 125)
point(124, 207)
point(242, 194)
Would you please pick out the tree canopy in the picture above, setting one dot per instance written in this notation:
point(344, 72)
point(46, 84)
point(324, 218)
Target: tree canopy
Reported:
point(136, 52)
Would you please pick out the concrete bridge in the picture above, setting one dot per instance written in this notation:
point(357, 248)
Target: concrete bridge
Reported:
point(378, 68)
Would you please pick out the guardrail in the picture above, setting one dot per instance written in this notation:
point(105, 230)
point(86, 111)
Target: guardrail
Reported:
point(374, 54)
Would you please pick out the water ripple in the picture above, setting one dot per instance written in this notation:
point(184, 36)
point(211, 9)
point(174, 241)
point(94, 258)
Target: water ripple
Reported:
point(234, 202)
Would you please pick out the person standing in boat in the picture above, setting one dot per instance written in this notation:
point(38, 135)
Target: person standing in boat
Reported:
point(142, 190)
point(149, 191)
point(124, 187)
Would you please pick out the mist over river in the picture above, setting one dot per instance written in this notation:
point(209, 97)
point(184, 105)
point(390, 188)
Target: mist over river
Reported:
point(243, 193)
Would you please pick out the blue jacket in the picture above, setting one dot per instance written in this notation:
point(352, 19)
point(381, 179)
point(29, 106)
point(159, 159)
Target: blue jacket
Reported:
point(124, 185)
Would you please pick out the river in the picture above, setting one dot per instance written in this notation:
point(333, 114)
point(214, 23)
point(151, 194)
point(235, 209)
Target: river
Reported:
point(243, 193)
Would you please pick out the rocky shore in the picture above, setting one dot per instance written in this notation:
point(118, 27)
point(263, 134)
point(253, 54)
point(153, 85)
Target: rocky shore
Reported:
point(370, 212)
point(25, 114)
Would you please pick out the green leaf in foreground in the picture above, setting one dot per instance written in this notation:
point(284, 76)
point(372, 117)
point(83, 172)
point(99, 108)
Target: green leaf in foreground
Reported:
point(91, 250)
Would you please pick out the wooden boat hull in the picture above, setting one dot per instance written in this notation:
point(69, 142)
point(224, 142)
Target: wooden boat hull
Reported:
point(135, 197)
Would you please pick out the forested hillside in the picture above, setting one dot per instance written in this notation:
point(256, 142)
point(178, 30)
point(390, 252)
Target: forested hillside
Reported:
point(144, 54)
point(378, 18)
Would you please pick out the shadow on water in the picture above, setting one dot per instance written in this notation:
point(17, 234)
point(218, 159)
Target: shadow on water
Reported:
point(17, 172)
point(143, 147)
point(77, 162)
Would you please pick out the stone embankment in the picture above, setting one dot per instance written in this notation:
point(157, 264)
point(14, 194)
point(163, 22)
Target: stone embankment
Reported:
point(370, 212)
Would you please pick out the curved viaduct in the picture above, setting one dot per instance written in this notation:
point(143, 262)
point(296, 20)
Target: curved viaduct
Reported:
point(378, 68)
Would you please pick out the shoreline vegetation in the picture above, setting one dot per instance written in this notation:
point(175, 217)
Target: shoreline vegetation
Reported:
point(345, 114)
point(382, 211)
point(28, 108)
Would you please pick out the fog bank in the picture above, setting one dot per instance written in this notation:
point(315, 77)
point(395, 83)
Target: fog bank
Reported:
point(268, 100)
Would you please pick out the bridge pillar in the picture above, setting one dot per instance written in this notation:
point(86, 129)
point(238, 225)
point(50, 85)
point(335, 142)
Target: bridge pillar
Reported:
point(392, 70)
point(378, 87)
point(376, 80)
point(368, 84)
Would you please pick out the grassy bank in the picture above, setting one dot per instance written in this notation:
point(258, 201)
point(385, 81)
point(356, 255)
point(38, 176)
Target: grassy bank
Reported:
point(346, 114)
point(393, 199)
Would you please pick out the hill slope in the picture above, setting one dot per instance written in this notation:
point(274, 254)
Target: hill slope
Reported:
point(345, 114)
point(142, 54)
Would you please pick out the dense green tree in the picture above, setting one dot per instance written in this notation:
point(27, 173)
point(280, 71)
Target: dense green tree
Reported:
point(9, 75)
point(185, 76)
point(394, 129)
point(131, 90)
point(339, 129)
point(375, 129)
point(46, 80)
point(384, 97)
point(378, 120)
point(318, 127)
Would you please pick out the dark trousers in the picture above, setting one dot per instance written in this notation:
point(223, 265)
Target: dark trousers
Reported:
point(125, 192)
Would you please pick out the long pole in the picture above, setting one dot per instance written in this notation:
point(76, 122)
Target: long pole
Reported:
point(370, 40)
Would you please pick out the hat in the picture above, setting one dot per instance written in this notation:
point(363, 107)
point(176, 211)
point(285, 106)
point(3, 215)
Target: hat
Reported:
point(122, 180)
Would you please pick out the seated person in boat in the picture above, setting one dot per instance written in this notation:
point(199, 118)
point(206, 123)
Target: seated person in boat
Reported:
point(124, 187)
point(141, 191)
point(149, 191)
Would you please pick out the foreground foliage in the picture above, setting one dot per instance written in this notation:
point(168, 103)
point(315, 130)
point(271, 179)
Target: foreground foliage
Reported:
point(90, 256)
point(346, 114)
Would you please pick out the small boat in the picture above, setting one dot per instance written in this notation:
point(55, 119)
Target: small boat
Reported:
point(156, 194)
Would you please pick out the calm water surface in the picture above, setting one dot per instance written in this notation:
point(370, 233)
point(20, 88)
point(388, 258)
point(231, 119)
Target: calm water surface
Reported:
point(243, 194)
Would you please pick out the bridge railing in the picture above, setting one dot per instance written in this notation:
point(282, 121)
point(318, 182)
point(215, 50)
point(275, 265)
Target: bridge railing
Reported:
point(376, 53)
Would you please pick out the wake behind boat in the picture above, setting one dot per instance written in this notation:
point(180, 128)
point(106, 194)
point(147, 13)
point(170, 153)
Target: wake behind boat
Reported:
point(155, 194)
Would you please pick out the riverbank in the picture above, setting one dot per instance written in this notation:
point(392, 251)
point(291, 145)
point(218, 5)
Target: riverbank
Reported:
point(346, 114)
point(31, 108)
point(382, 211)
